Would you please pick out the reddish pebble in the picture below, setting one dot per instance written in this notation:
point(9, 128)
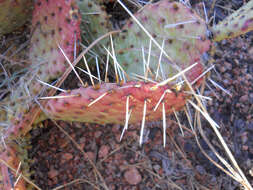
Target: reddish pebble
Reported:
point(52, 173)
point(243, 98)
point(98, 134)
point(90, 155)
point(132, 176)
point(103, 151)
point(67, 156)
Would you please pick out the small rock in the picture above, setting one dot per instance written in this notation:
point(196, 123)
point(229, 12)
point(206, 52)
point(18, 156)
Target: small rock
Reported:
point(132, 176)
point(243, 98)
point(89, 155)
point(52, 173)
point(103, 151)
point(250, 51)
point(201, 169)
point(67, 156)
point(98, 134)
point(245, 147)
point(228, 66)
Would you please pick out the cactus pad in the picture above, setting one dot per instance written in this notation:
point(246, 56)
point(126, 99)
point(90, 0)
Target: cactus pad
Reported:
point(53, 24)
point(13, 155)
point(110, 103)
point(95, 20)
point(240, 22)
point(13, 14)
point(183, 32)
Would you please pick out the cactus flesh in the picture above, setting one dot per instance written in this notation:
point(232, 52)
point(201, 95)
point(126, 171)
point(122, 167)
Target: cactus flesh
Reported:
point(182, 31)
point(13, 14)
point(53, 25)
point(240, 22)
point(108, 103)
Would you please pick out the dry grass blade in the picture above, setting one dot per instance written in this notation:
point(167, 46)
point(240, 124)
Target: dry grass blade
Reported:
point(178, 121)
point(62, 90)
point(70, 64)
point(181, 73)
point(76, 181)
point(179, 149)
point(146, 32)
point(212, 148)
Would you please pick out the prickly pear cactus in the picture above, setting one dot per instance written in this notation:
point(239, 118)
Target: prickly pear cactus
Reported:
point(184, 45)
point(181, 31)
point(13, 14)
point(240, 22)
point(173, 27)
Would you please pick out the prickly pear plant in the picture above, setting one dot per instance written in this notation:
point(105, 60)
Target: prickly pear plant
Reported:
point(196, 46)
point(180, 32)
point(240, 22)
point(13, 14)
point(184, 45)
point(55, 25)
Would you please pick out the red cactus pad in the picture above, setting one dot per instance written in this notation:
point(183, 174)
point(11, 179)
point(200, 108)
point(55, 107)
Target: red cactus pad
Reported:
point(20, 126)
point(55, 24)
point(108, 103)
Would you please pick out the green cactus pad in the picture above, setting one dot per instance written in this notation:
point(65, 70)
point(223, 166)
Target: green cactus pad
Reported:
point(13, 14)
point(95, 21)
point(183, 32)
point(238, 23)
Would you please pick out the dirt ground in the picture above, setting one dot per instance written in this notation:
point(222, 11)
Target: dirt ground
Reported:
point(93, 157)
